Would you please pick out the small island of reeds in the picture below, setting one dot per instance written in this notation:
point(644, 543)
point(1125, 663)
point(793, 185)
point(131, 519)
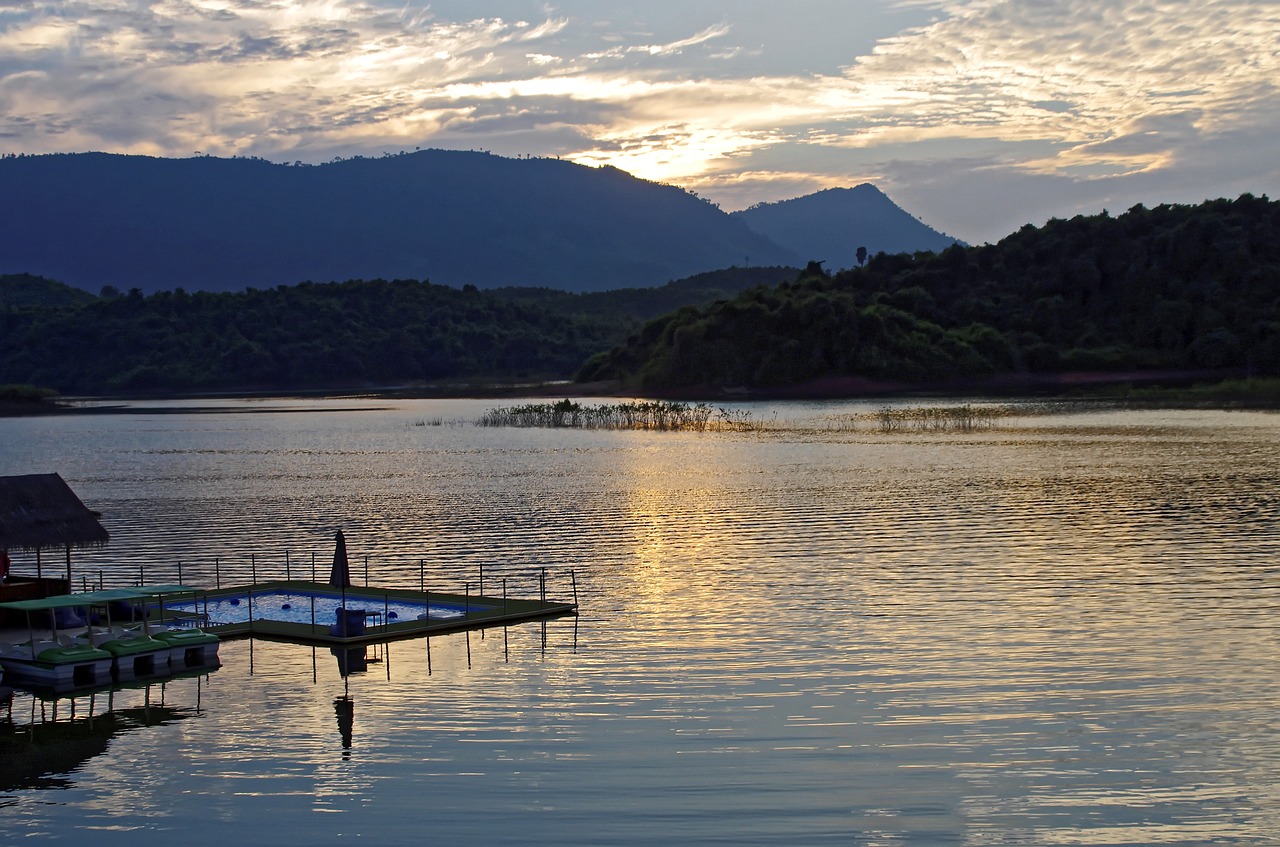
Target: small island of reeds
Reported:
point(670, 416)
point(659, 415)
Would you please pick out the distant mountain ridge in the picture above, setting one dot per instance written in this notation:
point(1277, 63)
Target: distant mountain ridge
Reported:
point(831, 225)
point(452, 217)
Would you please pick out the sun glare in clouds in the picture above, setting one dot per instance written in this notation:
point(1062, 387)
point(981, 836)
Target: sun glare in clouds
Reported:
point(1081, 90)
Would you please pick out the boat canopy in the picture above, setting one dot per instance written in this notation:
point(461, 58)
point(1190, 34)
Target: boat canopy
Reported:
point(92, 598)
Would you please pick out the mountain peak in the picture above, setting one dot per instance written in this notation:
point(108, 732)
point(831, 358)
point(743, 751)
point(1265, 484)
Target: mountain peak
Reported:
point(830, 225)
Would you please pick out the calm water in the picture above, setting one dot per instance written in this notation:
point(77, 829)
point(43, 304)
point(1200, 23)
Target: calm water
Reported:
point(1060, 631)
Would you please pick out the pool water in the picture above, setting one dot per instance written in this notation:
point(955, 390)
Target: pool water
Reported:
point(296, 607)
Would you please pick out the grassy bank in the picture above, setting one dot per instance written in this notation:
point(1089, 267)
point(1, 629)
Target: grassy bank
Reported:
point(1250, 393)
point(28, 400)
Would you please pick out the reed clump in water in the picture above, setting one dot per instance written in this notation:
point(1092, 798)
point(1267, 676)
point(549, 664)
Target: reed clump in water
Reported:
point(655, 415)
point(966, 418)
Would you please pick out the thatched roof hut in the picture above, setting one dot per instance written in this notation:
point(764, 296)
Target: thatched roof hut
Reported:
point(40, 511)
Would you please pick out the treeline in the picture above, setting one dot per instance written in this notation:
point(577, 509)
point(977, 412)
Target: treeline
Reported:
point(347, 334)
point(1169, 288)
point(1172, 288)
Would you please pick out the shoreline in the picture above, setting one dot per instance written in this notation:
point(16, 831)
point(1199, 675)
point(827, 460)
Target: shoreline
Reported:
point(1194, 388)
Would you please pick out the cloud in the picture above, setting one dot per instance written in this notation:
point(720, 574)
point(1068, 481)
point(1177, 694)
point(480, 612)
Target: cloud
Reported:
point(1079, 99)
point(1074, 97)
point(230, 75)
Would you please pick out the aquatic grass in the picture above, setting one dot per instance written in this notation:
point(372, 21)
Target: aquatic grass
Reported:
point(966, 418)
point(660, 415)
point(668, 416)
point(442, 422)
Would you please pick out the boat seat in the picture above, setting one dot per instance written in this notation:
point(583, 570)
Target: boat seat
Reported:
point(17, 651)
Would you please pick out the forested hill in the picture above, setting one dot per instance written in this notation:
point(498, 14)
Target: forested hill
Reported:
point(453, 217)
point(324, 335)
point(831, 225)
point(1168, 288)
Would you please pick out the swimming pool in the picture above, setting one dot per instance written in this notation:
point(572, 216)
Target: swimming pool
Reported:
point(296, 607)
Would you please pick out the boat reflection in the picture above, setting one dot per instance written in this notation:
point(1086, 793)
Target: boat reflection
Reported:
point(47, 735)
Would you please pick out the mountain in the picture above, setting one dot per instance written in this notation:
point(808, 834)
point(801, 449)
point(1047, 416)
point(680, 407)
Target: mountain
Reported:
point(831, 225)
point(454, 217)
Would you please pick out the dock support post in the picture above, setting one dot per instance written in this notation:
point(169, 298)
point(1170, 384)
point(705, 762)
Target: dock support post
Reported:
point(574, 578)
point(253, 568)
point(504, 595)
point(542, 585)
point(288, 571)
point(422, 577)
point(217, 572)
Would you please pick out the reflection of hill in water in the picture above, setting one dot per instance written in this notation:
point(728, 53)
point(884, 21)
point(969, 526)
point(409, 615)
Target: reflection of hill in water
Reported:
point(43, 743)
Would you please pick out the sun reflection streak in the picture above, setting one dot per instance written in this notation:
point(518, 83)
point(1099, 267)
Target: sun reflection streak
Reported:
point(1049, 632)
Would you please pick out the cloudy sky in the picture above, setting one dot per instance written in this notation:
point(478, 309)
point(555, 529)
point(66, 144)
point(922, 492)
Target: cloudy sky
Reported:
point(975, 115)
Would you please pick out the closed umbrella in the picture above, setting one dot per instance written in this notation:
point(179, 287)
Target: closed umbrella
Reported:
point(340, 573)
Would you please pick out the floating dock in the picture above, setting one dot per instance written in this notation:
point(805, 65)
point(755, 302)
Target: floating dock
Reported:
point(304, 612)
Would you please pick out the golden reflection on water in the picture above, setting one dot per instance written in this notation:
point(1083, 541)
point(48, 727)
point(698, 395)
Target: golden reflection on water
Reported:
point(1056, 631)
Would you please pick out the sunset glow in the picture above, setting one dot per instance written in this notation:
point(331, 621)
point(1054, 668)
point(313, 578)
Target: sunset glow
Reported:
point(982, 114)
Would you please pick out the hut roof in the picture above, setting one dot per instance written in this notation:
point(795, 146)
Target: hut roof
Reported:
point(41, 510)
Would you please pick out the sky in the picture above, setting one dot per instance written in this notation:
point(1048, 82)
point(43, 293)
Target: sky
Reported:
point(977, 116)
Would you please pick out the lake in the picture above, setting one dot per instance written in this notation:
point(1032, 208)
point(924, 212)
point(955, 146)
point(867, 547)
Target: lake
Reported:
point(1062, 629)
